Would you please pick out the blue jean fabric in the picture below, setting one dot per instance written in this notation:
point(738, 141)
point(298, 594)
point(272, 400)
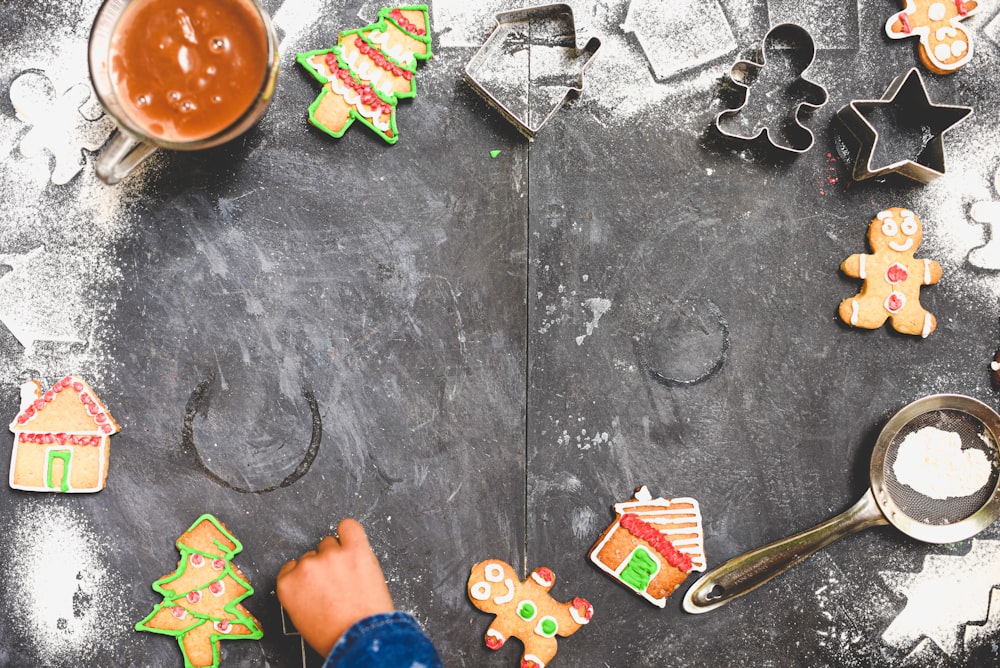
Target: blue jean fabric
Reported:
point(390, 640)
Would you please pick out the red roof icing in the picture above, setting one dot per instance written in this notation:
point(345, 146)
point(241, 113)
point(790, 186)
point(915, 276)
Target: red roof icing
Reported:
point(103, 422)
point(647, 532)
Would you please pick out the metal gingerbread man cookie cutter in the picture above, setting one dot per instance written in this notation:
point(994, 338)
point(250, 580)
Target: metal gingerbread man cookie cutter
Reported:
point(801, 95)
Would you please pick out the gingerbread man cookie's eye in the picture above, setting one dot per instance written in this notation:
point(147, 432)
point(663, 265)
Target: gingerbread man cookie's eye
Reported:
point(480, 591)
point(494, 573)
point(909, 225)
point(889, 227)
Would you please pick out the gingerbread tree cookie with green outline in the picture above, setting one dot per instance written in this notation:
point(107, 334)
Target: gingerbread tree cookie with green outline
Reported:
point(369, 71)
point(201, 598)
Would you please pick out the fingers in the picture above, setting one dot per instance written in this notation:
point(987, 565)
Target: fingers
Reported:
point(287, 567)
point(328, 543)
point(352, 534)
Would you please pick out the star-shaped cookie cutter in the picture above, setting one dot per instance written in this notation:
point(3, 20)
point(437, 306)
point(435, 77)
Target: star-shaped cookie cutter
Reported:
point(913, 113)
point(812, 96)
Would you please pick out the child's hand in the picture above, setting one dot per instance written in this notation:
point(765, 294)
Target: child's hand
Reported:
point(330, 588)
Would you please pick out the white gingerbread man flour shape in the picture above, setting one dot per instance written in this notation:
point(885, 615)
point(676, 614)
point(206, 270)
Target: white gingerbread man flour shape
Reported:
point(62, 125)
point(988, 213)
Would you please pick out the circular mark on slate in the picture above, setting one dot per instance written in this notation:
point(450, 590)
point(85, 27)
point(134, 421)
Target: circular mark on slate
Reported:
point(199, 402)
point(684, 342)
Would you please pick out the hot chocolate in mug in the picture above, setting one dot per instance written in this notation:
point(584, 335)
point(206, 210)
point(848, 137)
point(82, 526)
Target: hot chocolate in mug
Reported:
point(179, 74)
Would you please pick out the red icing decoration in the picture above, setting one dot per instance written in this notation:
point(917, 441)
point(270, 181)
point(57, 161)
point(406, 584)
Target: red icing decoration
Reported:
point(896, 274)
point(178, 612)
point(196, 560)
point(219, 564)
point(21, 419)
point(405, 23)
point(545, 574)
point(635, 526)
point(583, 607)
point(494, 643)
point(38, 405)
point(222, 626)
point(894, 302)
point(106, 428)
point(960, 5)
point(905, 20)
point(193, 597)
point(78, 386)
point(49, 396)
point(528, 663)
point(217, 587)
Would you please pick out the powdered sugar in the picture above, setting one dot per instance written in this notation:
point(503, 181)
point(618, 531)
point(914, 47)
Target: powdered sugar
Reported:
point(933, 463)
point(950, 592)
point(58, 223)
point(61, 595)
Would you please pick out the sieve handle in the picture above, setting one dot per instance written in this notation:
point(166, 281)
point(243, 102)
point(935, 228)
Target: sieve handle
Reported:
point(746, 572)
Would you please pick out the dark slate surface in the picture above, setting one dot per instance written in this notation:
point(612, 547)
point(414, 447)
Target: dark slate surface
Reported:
point(477, 357)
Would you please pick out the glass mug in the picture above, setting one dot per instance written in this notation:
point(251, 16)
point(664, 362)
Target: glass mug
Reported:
point(179, 74)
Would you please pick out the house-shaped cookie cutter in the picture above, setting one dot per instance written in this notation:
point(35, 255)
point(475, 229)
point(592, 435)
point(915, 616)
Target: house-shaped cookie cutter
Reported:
point(530, 65)
point(907, 96)
point(812, 96)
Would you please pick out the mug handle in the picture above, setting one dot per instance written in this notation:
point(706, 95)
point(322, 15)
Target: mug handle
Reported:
point(122, 154)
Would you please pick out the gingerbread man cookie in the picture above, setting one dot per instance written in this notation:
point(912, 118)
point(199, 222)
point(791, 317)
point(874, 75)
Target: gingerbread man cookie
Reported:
point(892, 277)
point(944, 45)
point(525, 610)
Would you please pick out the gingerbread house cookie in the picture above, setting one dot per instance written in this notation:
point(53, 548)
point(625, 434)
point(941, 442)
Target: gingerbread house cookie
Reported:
point(652, 545)
point(61, 438)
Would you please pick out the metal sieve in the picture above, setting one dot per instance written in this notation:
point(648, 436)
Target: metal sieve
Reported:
point(888, 501)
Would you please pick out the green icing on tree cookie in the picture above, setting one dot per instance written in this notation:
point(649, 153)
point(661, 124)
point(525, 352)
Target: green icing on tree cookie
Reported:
point(369, 70)
point(201, 598)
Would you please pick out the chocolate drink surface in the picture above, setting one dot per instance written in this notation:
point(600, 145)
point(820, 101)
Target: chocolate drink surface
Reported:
point(186, 70)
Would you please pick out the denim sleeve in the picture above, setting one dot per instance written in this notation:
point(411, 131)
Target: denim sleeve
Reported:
point(390, 640)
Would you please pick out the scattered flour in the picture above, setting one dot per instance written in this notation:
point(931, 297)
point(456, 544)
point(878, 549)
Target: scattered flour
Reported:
point(949, 593)
point(598, 306)
point(59, 281)
point(933, 463)
point(62, 597)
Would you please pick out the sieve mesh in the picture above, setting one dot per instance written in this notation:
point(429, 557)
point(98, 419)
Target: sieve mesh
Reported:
point(922, 508)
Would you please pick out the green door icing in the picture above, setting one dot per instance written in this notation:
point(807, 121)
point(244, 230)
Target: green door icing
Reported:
point(65, 456)
point(639, 570)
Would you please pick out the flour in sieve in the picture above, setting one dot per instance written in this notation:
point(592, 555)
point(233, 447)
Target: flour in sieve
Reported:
point(933, 463)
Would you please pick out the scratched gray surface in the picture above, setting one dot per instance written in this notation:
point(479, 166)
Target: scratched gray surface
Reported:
point(496, 350)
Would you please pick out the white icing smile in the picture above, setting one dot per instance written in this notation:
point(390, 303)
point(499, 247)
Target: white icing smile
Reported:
point(901, 247)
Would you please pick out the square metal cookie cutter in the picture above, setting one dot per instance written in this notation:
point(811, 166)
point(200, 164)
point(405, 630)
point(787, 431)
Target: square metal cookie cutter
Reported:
point(906, 110)
point(801, 94)
point(530, 65)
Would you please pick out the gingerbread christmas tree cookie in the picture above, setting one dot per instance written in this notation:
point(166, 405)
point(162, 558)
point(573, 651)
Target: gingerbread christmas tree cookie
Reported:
point(201, 598)
point(892, 277)
point(369, 70)
point(61, 438)
point(652, 545)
